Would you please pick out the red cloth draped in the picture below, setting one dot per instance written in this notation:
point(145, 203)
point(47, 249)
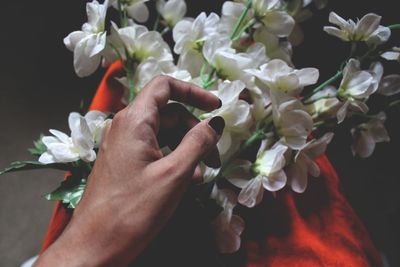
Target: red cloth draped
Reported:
point(316, 228)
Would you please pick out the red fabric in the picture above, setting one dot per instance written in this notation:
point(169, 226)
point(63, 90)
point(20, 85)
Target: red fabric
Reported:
point(316, 228)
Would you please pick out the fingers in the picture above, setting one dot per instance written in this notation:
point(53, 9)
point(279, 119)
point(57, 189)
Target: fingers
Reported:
point(195, 146)
point(175, 122)
point(164, 88)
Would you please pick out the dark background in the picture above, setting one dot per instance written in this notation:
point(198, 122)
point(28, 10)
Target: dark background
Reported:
point(39, 88)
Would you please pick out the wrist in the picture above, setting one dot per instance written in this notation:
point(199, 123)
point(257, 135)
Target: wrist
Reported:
point(82, 244)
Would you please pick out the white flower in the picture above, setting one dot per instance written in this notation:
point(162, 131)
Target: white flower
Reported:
point(390, 85)
point(172, 11)
point(356, 86)
point(138, 43)
point(85, 135)
point(323, 104)
point(231, 65)
point(227, 200)
point(366, 135)
point(293, 123)
point(231, 11)
point(268, 13)
point(366, 29)
point(96, 122)
point(189, 36)
point(392, 55)
point(147, 70)
point(281, 79)
point(304, 163)
point(136, 9)
point(275, 20)
point(228, 237)
point(268, 169)
point(236, 113)
point(274, 48)
point(89, 43)
point(228, 227)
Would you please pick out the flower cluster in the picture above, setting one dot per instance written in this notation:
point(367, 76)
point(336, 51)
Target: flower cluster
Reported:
point(243, 56)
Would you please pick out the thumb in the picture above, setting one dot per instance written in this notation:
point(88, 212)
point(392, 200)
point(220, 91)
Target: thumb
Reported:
point(195, 146)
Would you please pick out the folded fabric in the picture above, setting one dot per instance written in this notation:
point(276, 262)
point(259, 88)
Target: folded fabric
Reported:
point(316, 228)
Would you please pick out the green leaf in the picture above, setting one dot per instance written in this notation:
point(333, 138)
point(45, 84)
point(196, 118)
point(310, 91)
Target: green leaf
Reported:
point(38, 147)
point(70, 192)
point(35, 165)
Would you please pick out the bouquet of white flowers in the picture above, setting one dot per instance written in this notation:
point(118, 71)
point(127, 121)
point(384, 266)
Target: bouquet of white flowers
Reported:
point(273, 111)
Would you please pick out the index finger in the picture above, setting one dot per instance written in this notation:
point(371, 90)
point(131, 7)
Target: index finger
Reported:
point(164, 88)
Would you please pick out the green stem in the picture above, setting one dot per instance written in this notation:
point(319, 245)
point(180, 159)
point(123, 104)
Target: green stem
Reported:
point(394, 103)
point(318, 124)
point(394, 27)
point(131, 82)
point(123, 18)
point(248, 25)
point(353, 49)
point(335, 77)
point(319, 98)
point(263, 122)
point(202, 73)
point(156, 22)
point(240, 20)
point(163, 32)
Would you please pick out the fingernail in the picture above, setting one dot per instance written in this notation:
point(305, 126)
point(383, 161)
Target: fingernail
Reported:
point(218, 124)
point(220, 103)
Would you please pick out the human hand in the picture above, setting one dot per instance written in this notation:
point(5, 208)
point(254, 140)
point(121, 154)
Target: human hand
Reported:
point(133, 189)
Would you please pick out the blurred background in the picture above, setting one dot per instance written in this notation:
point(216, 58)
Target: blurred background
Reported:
point(38, 89)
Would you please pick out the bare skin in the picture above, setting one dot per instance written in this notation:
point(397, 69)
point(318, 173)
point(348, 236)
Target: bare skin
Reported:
point(133, 190)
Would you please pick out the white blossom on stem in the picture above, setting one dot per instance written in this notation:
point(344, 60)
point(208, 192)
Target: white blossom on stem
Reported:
point(304, 164)
point(274, 48)
point(231, 65)
point(189, 36)
point(356, 86)
point(281, 79)
point(266, 173)
point(86, 133)
point(89, 43)
point(323, 104)
point(366, 135)
point(172, 11)
point(366, 29)
point(149, 69)
point(273, 18)
point(292, 122)
point(136, 9)
point(137, 43)
point(228, 226)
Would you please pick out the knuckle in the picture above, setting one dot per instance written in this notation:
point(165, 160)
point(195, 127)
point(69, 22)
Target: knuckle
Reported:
point(119, 118)
point(160, 79)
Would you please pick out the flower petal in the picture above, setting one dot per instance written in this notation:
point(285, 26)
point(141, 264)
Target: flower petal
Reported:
point(251, 194)
point(139, 12)
point(275, 181)
point(390, 85)
point(279, 23)
point(367, 25)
